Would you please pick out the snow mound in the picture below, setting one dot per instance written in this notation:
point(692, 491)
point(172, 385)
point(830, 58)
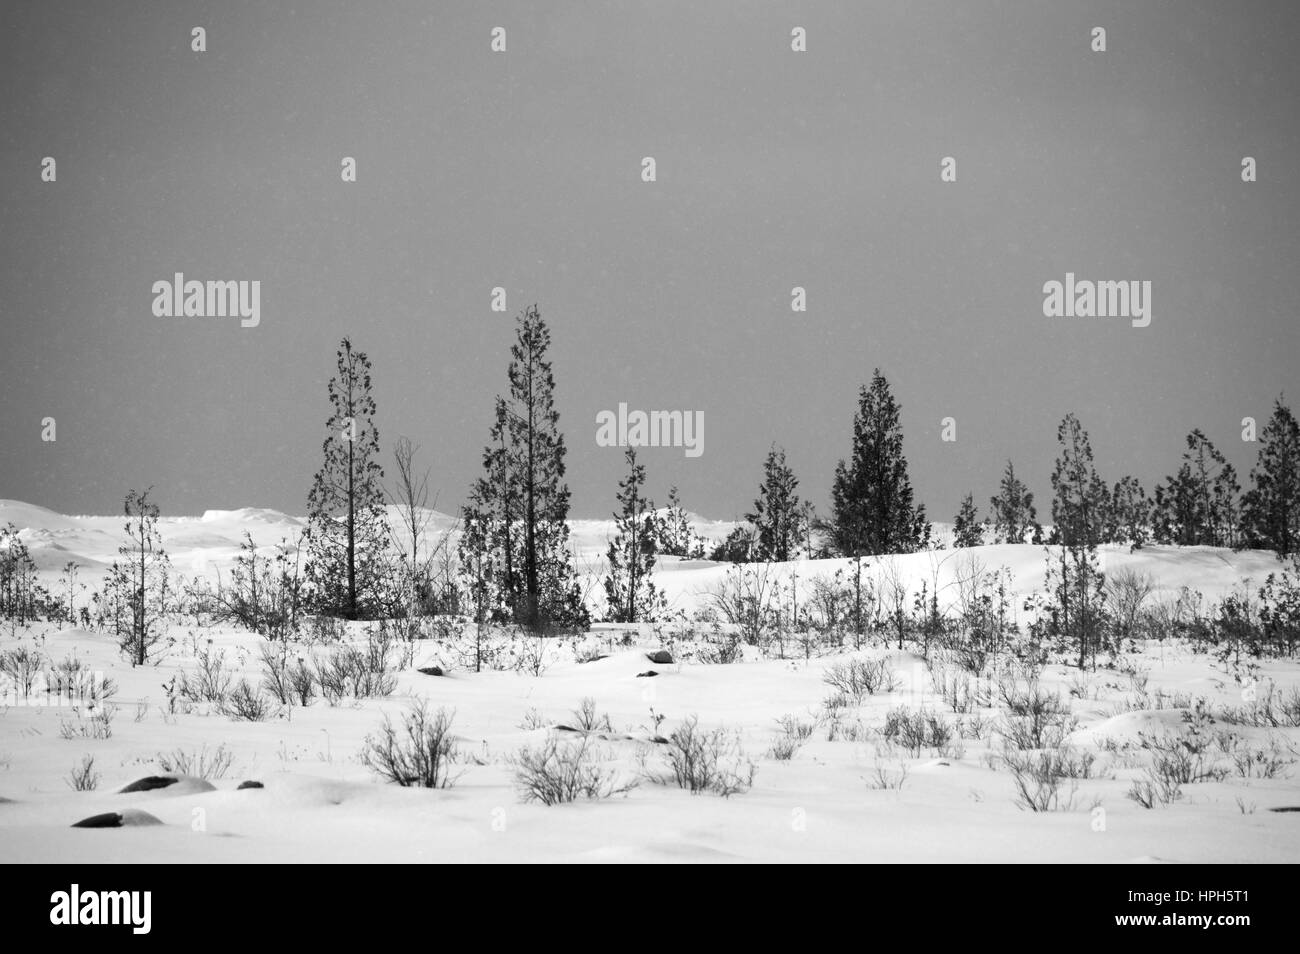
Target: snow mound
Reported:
point(27, 516)
point(246, 515)
point(184, 785)
point(1126, 726)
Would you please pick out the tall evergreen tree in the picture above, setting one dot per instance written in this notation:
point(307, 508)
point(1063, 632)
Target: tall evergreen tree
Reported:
point(1081, 499)
point(871, 499)
point(522, 501)
point(347, 529)
point(966, 527)
point(629, 584)
point(778, 514)
point(1198, 505)
point(1270, 511)
point(1079, 509)
point(1013, 512)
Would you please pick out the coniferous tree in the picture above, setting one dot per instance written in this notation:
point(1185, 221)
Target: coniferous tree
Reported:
point(1129, 514)
point(629, 584)
point(674, 534)
point(966, 527)
point(739, 546)
point(778, 513)
point(871, 499)
point(21, 595)
point(1270, 511)
point(347, 529)
point(479, 575)
point(492, 515)
point(522, 501)
point(1013, 512)
point(1079, 509)
point(1198, 505)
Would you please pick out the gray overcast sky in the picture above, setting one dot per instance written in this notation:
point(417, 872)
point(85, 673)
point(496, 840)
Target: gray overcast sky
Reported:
point(521, 169)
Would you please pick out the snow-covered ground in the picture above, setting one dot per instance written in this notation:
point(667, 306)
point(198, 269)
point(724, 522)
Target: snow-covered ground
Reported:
point(320, 803)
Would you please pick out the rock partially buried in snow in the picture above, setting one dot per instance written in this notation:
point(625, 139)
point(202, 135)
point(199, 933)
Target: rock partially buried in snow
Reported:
point(129, 818)
point(431, 670)
point(170, 785)
point(647, 673)
point(148, 784)
point(250, 784)
point(663, 657)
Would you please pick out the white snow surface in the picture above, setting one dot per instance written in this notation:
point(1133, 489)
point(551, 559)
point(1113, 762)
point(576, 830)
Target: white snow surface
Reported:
point(319, 802)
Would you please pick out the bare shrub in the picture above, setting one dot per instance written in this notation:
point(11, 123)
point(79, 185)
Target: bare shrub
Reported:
point(1269, 762)
point(420, 755)
point(794, 733)
point(746, 598)
point(73, 680)
point(204, 763)
point(1126, 592)
point(1154, 789)
point(1035, 719)
point(720, 647)
point(841, 728)
point(532, 652)
point(784, 747)
point(247, 704)
point(98, 726)
point(330, 677)
point(276, 678)
point(708, 761)
point(976, 727)
point(23, 666)
point(1269, 708)
point(1038, 730)
point(798, 728)
point(1185, 757)
point(588, 720)
point(84, 778)
point(369, 669)
point(961, 692)
point(302, 682)
point(858, 678)
point(532, 719)
point(557, 772)
point(882, 778)
point(917, 730)
point(1040, 775)
point(211, 679)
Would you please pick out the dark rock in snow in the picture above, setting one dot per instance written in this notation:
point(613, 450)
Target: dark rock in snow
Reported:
point(244, 785)
point(130, 817)
point(662, 657)
point(648, 672)
point(431, 670)
point(148, 784)
point(106, 820)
